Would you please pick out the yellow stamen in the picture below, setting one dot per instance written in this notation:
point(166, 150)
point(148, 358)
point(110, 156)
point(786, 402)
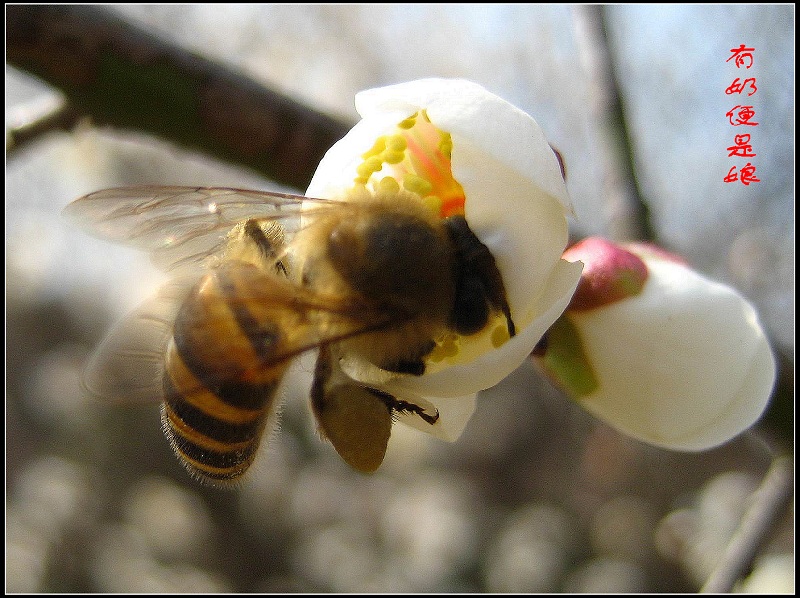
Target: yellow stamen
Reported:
point(418, 154)
point(396, 143)
point(377, 148)
point(434, 203)
point(389, 185)
point(393, 157)
point(368, 166)
point(446, 347)
point(409, 122)
point(428, 160)
point(416, 184)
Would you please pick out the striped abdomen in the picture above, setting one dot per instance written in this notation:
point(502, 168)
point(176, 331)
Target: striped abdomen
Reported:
point(221, 371)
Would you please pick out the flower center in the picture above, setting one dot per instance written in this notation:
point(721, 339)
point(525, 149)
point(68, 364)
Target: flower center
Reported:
point(416, 157)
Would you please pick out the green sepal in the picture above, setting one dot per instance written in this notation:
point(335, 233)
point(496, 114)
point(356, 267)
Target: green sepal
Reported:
point(566, 360)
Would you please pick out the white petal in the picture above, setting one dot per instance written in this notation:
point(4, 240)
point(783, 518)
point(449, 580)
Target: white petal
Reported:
point(685, 365)
point(454, 413)
point(516, 205)
point(476, 117)
point(337, 169)
point(524, 228)
point(516, 197)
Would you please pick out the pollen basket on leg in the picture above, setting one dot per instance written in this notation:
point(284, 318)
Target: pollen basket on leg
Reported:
point(415, 157)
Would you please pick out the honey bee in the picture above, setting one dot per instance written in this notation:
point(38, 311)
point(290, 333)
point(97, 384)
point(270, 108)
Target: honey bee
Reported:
point(259, 278)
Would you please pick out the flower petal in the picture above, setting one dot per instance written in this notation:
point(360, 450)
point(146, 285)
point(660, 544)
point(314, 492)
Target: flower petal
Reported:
point(524, 229)
point(336, 171)
point(516, 204)
point(516, 195)
point(685, 365)
point(454, 413)
point(476, 117)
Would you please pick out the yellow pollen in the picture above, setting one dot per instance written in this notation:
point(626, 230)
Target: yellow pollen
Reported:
point(396, 143)
point(409, 122)
point(377, 148)
point(500, 336)
point(415, 156)
point(433, 202)
point(389, 184)
point(428, 157)
point(416, 184)
point(368, 166)
point(393, 157)
point(446, 347)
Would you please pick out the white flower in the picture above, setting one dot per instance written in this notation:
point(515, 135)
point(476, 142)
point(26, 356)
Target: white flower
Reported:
point(465, 151)
point(658, 351)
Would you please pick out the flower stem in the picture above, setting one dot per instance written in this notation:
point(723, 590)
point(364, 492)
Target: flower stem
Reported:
point(769, 501)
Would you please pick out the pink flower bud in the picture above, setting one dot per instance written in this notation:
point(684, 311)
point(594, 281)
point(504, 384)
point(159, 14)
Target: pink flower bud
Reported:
point(610, 273)
point(658, 351)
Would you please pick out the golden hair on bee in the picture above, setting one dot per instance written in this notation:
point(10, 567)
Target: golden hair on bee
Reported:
point(261, 278)
point(394, 253)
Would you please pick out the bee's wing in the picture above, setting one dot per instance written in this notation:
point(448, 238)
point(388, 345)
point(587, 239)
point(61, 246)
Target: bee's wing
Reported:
point(128, 365)
point(311, 319)
point(179, 226)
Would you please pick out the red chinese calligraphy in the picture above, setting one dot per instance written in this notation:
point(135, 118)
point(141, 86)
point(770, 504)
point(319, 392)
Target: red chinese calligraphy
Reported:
point(740, 54)
point(746, 175)
point(737, 87)
point(743, 117)
point(741, 147)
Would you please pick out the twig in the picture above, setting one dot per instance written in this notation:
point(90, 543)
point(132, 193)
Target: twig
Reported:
point(123, 76)
point(35, 121)
point(769, 501)
point(630, 217)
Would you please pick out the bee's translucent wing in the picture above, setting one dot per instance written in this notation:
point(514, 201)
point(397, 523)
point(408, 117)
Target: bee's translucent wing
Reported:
point(179, 226)
point(309, 319)
point(128, 365)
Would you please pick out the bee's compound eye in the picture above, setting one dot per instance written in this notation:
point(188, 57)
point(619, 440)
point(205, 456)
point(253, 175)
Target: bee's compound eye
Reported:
point(470, 309)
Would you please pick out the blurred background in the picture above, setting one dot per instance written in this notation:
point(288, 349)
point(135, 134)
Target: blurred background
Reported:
point(536, 496)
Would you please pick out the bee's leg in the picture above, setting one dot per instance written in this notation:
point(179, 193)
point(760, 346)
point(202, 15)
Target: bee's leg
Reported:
point(322, 374)
point(429, 415)
point(414, 365)
point(269, 240)
point(350, 415)
point(479, 284)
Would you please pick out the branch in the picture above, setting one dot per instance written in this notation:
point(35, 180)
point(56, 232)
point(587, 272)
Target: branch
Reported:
point(631, 218)
point(122, 76)
point(769, 501)
point(33, 122)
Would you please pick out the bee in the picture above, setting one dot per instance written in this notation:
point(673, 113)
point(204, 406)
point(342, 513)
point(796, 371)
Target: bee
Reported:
point(259, 278)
